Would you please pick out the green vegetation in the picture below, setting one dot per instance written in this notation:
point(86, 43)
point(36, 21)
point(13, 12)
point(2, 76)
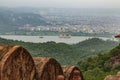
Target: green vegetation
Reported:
point(64, 53)
point(88, 55)
point(98, 67)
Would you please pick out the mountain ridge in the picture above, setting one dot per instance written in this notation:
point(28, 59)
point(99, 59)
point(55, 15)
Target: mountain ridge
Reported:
point(62, 51)
point(11, 21)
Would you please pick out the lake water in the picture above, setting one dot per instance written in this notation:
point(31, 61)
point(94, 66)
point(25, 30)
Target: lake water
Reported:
point(37, 39)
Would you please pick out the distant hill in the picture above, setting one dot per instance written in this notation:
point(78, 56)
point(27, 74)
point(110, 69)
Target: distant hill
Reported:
point(64, 53)
point(10, 20)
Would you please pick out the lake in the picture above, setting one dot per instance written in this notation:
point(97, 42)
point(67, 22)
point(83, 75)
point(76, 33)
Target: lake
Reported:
point(37, 39)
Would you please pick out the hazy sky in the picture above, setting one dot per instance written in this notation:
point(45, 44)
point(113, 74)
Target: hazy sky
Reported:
point(62, 3)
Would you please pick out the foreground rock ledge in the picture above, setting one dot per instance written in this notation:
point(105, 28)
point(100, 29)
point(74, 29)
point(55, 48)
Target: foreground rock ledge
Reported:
point(16, 64)
point(47, 68)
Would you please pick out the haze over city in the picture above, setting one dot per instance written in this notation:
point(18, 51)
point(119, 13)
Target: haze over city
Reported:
point(87, 16)
point(62, 3)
